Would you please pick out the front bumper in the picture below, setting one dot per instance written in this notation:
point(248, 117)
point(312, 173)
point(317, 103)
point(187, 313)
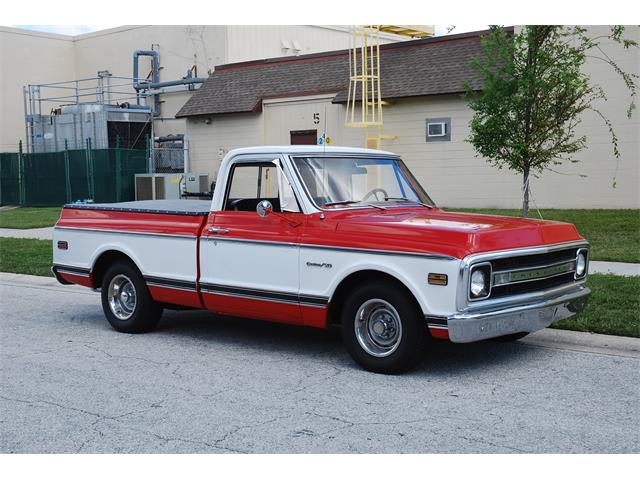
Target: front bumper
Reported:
point(480, 325)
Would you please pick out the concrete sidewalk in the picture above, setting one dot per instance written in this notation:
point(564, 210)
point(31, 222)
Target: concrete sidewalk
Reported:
point(617, 268)
point(37, 233)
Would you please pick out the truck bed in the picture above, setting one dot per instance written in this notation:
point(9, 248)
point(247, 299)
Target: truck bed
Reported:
point(170, 207)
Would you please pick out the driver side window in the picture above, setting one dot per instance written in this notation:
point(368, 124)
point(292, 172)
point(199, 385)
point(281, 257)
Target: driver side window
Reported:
point(251, 183)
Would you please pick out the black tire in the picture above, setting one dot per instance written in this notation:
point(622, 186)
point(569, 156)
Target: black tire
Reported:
point(145, 313)
point(407, 350)
point(512, 337)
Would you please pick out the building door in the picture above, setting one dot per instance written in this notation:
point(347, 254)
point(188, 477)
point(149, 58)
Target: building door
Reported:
point(304, 137)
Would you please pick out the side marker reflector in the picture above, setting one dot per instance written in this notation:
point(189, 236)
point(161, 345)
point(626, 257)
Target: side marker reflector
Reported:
point(438, 279)
point(63, 245)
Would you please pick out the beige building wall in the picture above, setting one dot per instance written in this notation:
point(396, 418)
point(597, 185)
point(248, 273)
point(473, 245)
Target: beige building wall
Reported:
point(450, 171)
point(28, 57)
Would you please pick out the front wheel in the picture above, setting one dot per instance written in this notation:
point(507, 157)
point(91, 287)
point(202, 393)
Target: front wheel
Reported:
point(383, 328)
point(126, 301)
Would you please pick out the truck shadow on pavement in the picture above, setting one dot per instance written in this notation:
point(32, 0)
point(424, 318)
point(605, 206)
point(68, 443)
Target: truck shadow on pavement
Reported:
point(440, 357)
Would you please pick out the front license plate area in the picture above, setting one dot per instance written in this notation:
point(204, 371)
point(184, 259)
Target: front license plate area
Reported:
point(522, 322)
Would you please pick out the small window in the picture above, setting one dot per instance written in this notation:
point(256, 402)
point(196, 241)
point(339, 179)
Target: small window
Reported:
point(438, 130)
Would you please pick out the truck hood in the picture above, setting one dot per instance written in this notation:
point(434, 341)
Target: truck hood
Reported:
point(418, 229)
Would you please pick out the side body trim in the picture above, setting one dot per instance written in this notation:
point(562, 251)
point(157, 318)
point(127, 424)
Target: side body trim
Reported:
point(127, 232)
point(281, 297)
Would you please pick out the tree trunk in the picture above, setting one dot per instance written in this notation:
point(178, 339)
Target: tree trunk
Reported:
point(525, 192)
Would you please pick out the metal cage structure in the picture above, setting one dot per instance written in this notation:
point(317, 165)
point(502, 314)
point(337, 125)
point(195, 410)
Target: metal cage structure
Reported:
point(97, 110)
point(364, 104)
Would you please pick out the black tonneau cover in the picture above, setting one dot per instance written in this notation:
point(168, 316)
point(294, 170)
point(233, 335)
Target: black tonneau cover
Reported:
point(169, 207)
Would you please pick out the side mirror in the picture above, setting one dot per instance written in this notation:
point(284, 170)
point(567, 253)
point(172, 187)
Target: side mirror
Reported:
point(264, 208)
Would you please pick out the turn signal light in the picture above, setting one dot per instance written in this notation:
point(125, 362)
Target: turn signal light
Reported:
point(438, 279)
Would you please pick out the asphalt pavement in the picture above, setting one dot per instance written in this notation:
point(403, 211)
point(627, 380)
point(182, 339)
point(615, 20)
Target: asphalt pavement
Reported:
point(201, 383)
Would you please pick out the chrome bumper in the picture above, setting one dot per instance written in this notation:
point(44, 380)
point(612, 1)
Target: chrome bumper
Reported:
point(473, 326)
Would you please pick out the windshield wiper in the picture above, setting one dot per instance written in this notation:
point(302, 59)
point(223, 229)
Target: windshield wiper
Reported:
point(352, 202)
point(335, 204)
point(403, 199)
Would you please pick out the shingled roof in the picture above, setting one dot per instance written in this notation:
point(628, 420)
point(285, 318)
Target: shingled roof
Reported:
point(430, 66)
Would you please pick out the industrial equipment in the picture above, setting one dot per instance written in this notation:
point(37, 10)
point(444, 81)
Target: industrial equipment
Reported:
point(104, 126)
point(158, 186)
point(195, 184)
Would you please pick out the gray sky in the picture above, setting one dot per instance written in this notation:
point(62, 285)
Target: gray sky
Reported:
point(79, 29)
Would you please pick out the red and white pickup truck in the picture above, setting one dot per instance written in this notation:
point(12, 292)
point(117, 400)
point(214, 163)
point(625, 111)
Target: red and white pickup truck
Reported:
point(324, 236)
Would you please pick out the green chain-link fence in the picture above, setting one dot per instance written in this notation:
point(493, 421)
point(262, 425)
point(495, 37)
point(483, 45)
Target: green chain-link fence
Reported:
point(55, 178)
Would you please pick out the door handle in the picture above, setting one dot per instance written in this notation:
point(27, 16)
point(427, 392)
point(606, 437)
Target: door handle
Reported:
point(218, 230)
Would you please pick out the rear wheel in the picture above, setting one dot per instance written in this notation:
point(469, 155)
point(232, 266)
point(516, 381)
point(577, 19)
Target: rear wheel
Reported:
point(126, 300)
point(383, 328)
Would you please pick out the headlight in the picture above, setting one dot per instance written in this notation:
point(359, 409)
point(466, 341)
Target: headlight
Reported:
point(480, 282)
point(581, 263)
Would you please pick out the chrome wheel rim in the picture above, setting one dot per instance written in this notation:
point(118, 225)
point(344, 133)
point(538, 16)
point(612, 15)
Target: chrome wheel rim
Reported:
point(122, 297)
point(378, 327)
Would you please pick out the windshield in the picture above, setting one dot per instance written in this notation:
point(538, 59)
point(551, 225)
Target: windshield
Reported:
point(343, 181)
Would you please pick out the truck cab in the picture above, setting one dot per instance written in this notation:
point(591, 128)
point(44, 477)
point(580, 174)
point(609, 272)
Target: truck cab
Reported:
point(327, 237)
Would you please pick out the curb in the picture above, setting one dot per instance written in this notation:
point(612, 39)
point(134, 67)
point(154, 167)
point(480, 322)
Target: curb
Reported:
point(585, 342)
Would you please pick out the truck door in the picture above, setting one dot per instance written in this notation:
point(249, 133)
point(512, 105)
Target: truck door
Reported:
point(249, 263)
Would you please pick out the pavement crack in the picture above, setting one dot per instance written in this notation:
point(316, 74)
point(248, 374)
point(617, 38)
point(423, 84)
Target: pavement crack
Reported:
point(235, 430)
point(129, 357)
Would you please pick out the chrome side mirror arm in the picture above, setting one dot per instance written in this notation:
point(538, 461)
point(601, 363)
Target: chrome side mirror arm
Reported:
point(264, 208)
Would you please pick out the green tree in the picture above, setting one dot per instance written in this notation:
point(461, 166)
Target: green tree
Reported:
point(533, 96)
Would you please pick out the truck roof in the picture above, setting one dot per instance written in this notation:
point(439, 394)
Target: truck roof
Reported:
point(307, 149)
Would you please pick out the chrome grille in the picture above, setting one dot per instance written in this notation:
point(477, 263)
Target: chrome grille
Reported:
point(530, 273)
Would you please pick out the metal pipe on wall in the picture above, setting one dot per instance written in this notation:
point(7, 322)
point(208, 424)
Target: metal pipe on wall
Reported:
point(151, 87)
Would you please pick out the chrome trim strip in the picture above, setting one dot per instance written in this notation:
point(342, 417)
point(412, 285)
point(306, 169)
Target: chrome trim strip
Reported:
point(518, 252)
point(535, 279)
point(265, 299)
point(437, 327)
point(265, 295)
point(436, 256)
point(546, 265)
point(173, 283)
point(275, 243)
point(249, 297)
point(330, 247)
point(128, 232)
point(70, 269)
point(171, 287)
point(71, 272)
